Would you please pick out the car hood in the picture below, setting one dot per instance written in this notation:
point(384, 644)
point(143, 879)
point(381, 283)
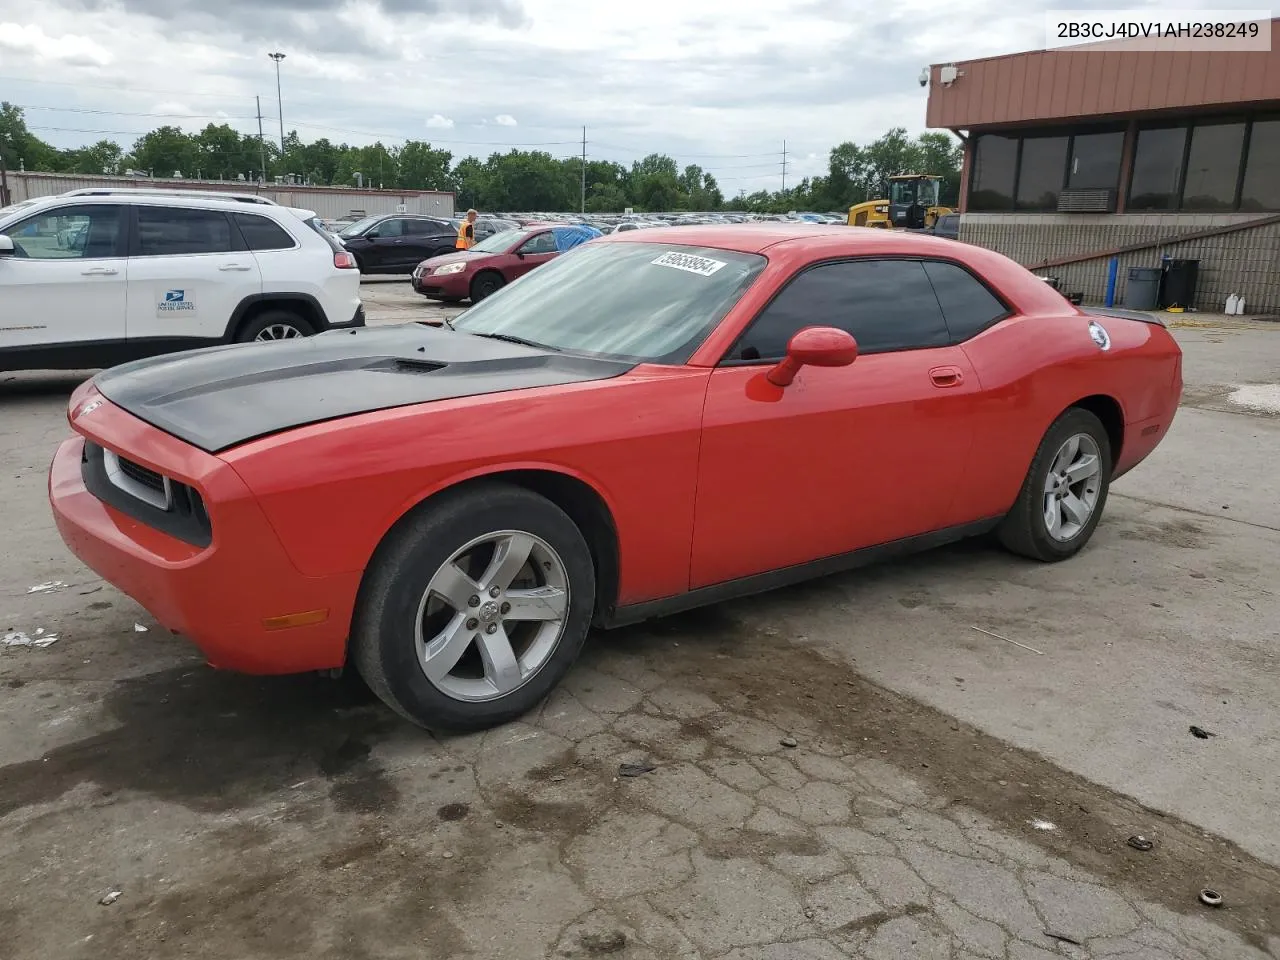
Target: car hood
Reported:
point(219, 397)
point(455, 257)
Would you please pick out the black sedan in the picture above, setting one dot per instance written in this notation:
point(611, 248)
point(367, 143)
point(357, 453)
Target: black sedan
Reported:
point(396, 243)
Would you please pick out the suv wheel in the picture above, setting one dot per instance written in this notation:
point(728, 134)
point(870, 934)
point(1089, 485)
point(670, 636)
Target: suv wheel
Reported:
point(273, 325)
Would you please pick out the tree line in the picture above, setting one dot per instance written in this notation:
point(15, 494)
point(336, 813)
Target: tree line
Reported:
point(517, 180)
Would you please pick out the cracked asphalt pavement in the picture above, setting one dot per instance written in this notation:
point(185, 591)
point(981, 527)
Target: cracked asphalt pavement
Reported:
point(843, 769)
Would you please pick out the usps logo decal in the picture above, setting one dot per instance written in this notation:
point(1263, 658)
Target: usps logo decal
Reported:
point(176, 301)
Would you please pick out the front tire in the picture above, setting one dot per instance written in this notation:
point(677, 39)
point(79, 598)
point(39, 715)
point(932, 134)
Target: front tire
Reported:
point(1065, 491)
point(272, 325)
point(474, 608)
point(485, 285)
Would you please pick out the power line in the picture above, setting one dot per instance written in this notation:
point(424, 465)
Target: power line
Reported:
point(724, 156)
point(113, 133)
point(124, 113)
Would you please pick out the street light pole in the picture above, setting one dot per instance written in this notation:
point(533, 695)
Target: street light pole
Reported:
point(277, 57)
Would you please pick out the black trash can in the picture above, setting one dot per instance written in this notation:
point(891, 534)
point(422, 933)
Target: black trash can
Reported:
point(1142, 292)
point(1178, 283)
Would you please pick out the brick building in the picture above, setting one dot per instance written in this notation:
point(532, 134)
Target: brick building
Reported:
point(1073, 156)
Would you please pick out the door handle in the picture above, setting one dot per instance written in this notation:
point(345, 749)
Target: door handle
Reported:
point(99, 272)
point(946, 376)
point(226, 267)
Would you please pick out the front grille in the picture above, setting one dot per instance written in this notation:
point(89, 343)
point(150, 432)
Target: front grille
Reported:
point(148, 497)
point(140, 474)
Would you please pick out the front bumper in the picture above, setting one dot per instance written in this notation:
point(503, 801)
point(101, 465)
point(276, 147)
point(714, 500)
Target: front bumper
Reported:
point(233, 598)
point(448, 287)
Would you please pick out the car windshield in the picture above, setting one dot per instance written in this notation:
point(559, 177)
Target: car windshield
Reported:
point(639, 301)
point(359, 227)
point(500, 242)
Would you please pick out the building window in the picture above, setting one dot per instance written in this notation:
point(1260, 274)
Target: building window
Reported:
point(1262, 169)
point(1095, 161)
point(995, 167)
point(1157, 169)
point(1213, 166)
point(1040, 172)
point(1195, 165)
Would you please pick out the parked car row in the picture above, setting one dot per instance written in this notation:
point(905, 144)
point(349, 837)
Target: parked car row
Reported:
point(397, 243)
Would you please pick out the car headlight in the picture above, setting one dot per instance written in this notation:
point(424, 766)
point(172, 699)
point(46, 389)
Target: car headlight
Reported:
point(449, 268)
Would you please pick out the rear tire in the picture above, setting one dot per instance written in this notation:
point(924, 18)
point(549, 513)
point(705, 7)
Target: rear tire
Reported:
point(474, 608)
point(271, 325)
point(1065, 491)
point(486, 285)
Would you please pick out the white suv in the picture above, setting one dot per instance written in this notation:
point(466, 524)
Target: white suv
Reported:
point(90, 279)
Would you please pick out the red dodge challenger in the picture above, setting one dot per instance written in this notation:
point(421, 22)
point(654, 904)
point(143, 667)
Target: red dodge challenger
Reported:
point(666, 418)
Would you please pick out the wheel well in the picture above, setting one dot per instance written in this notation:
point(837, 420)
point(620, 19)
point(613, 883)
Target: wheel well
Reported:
point(488, 272)
point(585, 507)
point(1108, 411)
point(305, 309)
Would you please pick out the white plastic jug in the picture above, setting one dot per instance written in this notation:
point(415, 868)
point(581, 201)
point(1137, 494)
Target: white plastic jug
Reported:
point(1231, 304)
point(1239, 306)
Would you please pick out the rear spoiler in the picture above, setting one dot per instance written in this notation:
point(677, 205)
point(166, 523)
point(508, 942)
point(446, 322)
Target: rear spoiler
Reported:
point(1126, 315)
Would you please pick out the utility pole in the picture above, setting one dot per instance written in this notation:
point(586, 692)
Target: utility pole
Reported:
point(784, 166)
point(584, 170)
point(262, 144)
point(4, 180)
point(277, 57)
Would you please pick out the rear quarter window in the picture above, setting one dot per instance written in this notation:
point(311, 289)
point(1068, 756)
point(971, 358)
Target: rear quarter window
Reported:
point(968, 306)
point(262, 233)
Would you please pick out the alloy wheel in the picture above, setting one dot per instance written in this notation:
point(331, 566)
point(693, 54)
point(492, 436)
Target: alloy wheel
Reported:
point(278, 331)
point(1072, 486)
point(492, 615)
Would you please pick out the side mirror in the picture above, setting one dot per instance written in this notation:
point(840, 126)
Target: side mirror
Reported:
point(814, 347)
point(6, 246)
point(520, 254)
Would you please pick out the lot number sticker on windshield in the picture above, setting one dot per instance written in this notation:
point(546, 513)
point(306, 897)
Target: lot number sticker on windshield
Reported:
point(703, 266)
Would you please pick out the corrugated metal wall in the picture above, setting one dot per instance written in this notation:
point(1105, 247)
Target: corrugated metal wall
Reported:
point(1246, 262)
point(1061, 84)
point(328, 203)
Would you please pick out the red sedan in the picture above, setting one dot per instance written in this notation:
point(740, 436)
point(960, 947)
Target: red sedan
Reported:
point(493, 263)
point(666, 418)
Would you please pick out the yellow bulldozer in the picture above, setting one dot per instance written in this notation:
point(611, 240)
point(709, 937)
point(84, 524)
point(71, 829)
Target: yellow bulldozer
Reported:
point(912, 204)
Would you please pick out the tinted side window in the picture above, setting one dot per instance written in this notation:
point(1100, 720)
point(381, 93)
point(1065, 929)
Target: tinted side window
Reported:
point(886, 305)
point(77, 232)
point(260, 233)
point(539, 243)
point(170, 231)
point(388, 228)
point(969, 307)
point(427, 228)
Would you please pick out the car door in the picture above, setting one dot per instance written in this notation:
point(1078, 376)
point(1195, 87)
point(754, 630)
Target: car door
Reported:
point(534, 252)
point(188, 271)
point(846, 457)
point(66, 280)
point(428, 238)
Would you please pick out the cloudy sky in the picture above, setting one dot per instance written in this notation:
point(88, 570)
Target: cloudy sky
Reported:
point(721, 83)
